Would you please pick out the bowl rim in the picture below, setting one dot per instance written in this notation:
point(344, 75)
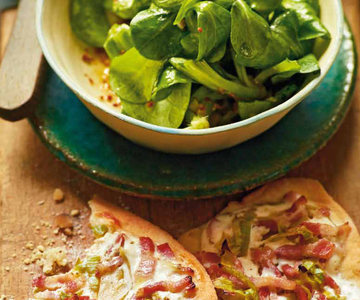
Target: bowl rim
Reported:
point(287, 105)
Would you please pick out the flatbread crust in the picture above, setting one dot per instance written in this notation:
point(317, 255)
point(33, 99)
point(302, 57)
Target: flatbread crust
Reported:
point(136, 226)
point(314, 192)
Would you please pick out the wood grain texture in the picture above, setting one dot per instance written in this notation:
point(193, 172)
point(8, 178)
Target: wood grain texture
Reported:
point(22, 53)
point(29, 174)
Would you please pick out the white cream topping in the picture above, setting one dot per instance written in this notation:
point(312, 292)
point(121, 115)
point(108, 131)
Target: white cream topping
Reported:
point(250, 269)
point(348, 289)
point(118, 285)
point(264, 211)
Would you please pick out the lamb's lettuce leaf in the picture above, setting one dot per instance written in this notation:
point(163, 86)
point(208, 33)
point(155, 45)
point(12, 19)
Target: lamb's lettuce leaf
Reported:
point(118, 40)
point(169, 112)
point(89, 22)
point(202, 73)
point(132, 76)
point(154, 34)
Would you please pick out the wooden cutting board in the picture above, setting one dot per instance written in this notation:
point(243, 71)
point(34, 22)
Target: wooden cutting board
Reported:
point(29, 174)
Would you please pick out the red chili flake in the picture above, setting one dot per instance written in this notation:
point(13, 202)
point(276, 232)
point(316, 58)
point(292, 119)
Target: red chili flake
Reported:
point(122, 52)
point(109, 98)
point(102, 98)
point(87, 58)
point(150, 104)
point(91, 81)
point(200, 30)
point(116, 104)
point(111, 217)
point(232, 95)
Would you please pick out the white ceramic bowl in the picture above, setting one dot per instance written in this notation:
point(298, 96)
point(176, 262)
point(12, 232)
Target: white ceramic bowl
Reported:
point(63, 52)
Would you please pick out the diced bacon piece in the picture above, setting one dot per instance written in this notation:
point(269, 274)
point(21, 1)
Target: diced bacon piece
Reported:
point(293, 252)
point(110, 266)
point(168, 286)
point(76, 297)
point(270, 224)
point(208, 259)
point(264, 293)
point(324, 211)
point(301, 293)
point(69, 280)
point(165, 251)
point(297, 204)
point(112, 218)
point(264, 257)
point(147, 265)
point(71, 286)
point(39, 282)
point(331, 283)
point(290, 272)
point(322, 249)
point(120, 240)
point(296, 212)
point(215, 272)
point(274, 282)
point(319, 229)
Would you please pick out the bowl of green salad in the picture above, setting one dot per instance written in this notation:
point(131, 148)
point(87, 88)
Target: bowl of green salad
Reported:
point(190, 76)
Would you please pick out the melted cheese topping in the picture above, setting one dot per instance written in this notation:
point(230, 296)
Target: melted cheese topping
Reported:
point(119, 284)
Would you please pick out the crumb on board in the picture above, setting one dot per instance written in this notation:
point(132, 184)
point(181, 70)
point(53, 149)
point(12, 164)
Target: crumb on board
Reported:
point(58, 195)
point(50, 258)
point(29, 246)
point(75, 213)
point(63, 221)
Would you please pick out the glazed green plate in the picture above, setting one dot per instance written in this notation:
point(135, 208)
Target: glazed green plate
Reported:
point(76, 137)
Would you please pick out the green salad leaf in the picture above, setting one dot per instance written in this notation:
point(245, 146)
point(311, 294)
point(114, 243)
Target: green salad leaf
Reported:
point(248, 109)
point(225, 3)
point(213, 23)
point(288, 68)
point(202, 73)
point(259, 45)
point(118, 40)
point(132, 76)
point(172, 5)
point(88, 21)
point(264, 7)
point(204, 63)
point(169, 78)
point(169, 112)
point(307, 12)
point(154, 34)
point(184, 8)
point(126, 9)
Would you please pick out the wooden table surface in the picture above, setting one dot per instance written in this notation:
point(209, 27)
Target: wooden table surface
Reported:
point(29, 173)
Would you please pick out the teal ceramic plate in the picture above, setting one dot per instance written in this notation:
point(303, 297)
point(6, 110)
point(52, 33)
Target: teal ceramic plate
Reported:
point(76, 137)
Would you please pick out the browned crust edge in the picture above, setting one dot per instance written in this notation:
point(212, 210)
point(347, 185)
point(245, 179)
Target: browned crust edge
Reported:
point(137, 226)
